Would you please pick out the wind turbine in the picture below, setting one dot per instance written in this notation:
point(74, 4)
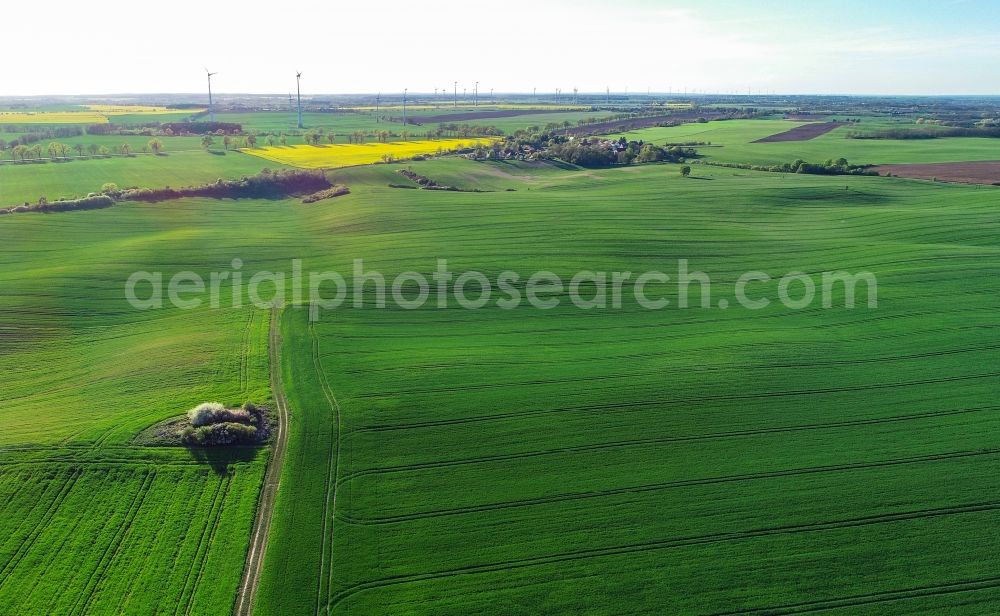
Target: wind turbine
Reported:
point(377, 97)
point(404, 108)
point(211, 112)
point(298, 93)
point(475, 95)
point(456, 94)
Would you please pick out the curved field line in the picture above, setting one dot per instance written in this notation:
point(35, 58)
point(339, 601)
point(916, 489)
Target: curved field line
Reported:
point(176, 495)
point(623, 376)
point(873, 598)
point(272, 477)
point(208, 547)
point(41, 502)
point(655, 441)
point(213, 513)
point(90, 497)
point(29, 541)
point(89, 591)
point(333, 472)
point(649, 546)
point(511, 415)
point(654, 487)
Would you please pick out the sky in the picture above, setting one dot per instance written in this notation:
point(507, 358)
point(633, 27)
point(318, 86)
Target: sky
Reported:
point(718, 46)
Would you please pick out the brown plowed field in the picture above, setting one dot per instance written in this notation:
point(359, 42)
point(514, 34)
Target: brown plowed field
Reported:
point(802, 133)
point(976, 172)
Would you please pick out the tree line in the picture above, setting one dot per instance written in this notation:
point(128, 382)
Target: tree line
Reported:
point(61, 151)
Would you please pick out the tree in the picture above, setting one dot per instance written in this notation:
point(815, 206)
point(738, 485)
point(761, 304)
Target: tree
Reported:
point(207, 142)
point(227, 141)
point(155, 145)
point(92, 148)
point(686, 170)
point(79, 147)
point(284, 139)
point(270, 140)
point(252, 141)
point(332, 138)
point(650, 153)
point(126, 150)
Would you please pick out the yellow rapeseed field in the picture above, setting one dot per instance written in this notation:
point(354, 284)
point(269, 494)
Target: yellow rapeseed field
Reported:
point(52, 117)
point(348, 155)
point(137, 109)
point(93, 114)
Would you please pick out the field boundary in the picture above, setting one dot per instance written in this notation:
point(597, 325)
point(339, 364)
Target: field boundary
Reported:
point(333, 476)
point(272, 477)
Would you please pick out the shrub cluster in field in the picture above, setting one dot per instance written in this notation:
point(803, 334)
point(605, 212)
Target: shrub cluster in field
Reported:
point(336, 190)
point(425, 182)
point(983, 131)
point(92, 202)
point(266, 184)
point(212, 424)
point(839, 166)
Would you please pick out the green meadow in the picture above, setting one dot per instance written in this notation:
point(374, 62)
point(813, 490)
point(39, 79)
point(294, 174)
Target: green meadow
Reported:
point(713, 459)
point(74, 178)
point(732, 142)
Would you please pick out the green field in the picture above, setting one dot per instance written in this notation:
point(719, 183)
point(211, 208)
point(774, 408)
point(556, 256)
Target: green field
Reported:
point(94, 522)
point(732, 142)
point(501, 459)
point(452, 461)
point(28, 182)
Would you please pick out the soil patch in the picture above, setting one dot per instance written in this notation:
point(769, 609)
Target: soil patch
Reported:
point(802, 133)
point(973, 172)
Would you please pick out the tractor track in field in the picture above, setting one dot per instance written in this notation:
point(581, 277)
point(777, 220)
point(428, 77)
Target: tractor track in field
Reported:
point(874, 598)
point(623, 376)
point(200, 562)
point(333, 479)
point(667, 485)
point(113, 548)
point(663, 440)
point(213, 511)
point(704, 368)
point(673, 543)
point(686, 400)
point(28, 542)
point(272, 476)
